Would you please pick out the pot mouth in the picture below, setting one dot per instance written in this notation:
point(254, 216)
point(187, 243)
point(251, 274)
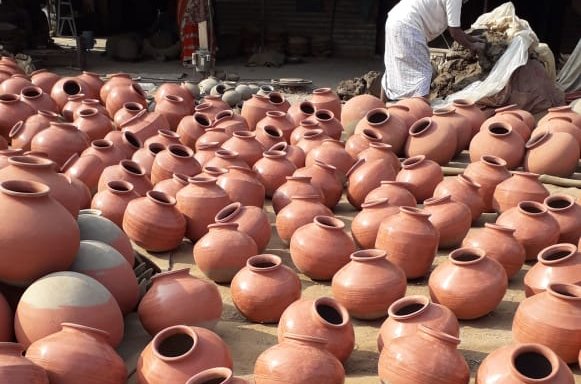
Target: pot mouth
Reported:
point(120, 186)
point(264, 263)
point(557, 253)
point(532, 208)
point(444, 111)
point(72, 87)
point(15, 129)
point(377, 116)
point(421, 126)
point(85, 329)
point(499, 227)
point(137, 88)
point(31, 92)
point(305, 338)
point(414, 211)
point(132, 140)
point(9, 98)
point(174, 343)
point(202, 180)
point(180, 178)
point(325, 166)
point(413, 161)
point(215, 171)
point(217, 375)
point(244, 135)
point(466, 256)
point(101, 144)
point(276, 114)
point(565, 291)
point(321, 91)
point(368, 254)
point(534, 362)
point(155, 148)
point(181, 151)
point(462, 103)
point(493, 161)
point(563, 108)
point(132, 106)
point(168, 133)
point(308, 123)
point(161, 198)
point(226, 154)
point(313, 134)
point(132, 167)
point(381, 146)
point(375, 203)
point(31, 161)
point(202, 119)
point(408, 307)
point(202, 107)
point(307, 107)
point(174, 98)
point(427, 330)
point(228, 213)
point(272, 131)
point(467, 180)
point(437, 200)
point(88, 112)
point(227, 225)
point(330, 312)
point(329, 222)
point(274, 154)
point(24, 188)
point(276, 98)
point(530, 175)
point(282, 146)
point(538, 139)
point(499, 129)
point(371, 135)
point(324, 115)
point(210, 145)
point(559, 202)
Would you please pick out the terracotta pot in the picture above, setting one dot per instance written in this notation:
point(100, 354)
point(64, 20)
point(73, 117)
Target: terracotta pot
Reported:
point(93, 82)
point(5, 154)
point(199, 202)
point(421, 176)
point(145, 124)
point(298, 359)
point(403, 112)
point(410, 241)
point(254, 110)
point(451, 218)
point(324, 177)
point(292, 152)
point(462, 189)
point(393, 130)
point(145, 156)
point(216, 104)
point(525, 116)
point(512, 118)
point(84, 193)
point(251, 220)
point(450, 117)
point(498, 139)
point(324, 317)
point(520, 187)
point(401, 363)
point(294, 185)
point(17, 369)
point(329, 123)
point(246, 145)
point(241, 184)
point(551, 318)
point(130, 109)
point(559, 263)
point(419, 106)
point(568, 214)
point(381, 151)
point(278, 100)
point(272, 170)
point(212, 135)
point(126, 141)
point(90, 103)
point(534, 228)
point(522, 364)
point(205, 152)
point(300, 111)
point(299, 131)
point(192, 127)
point(37, 99)
point(473, 115)
point(357, 143)
point(230, 122)
point(563, 125)
point(65, 87)
point(44, 79)
point(499, 243)
point(408, 313)
point(278, 120)
point(331, 152)
point(452, 283)
point(552, 153)
point(396, 191)
point(113, 201)
point(126, 170)
point(562, 111)
point(183, 298)
point(325, 98)
point(12, 110)
point(180, 90)
point(171, 186)
point(73, 103)
point(60, 141)
point(488, 172)
point(176, 158)
point(311, 139)
point(154, 222)
point(122, 94)
point(176, 353)
point(366, 223)
point(300, 211)
point(85, 301)
point(93, 123)
point(437, 140)
point(356, 108)
point(22, 132)
point(105, 151)
point(224, 158)
point(364, 177)
point(14, 84)
point(164, 137)
point(264, 288)
point(219, 375)
point(174, 108)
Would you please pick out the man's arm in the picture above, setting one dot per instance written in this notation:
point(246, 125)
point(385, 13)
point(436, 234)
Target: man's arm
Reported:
point(467, 41)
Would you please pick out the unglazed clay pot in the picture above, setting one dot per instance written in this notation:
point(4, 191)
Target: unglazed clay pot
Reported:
point(559, 263)
point(241, 184)
point(562, 111)
point(421, 175)
point(472, 113)
point(393, 130)
point(263, 289)
point(418, 106)
point(175, 89)
point(523, 364)
point(174, 108)
point(218, 375)
point(129, 110)
point(113, 201)
point(406, 315)
point(93, 82)
point(301, 210)
point(176, 158)
point(293, 153)
point(552, 153)
point(563, 125)
point(522, 186)
point(459, 123)
point(368, 284)
point(357, 143)
point(211, 106)
point(145, 156)
point(272, 170)
point(230, 122)
point(59, 141)
point(551, 318)
point(254, 110)
point(251, 220)
point(534, 228)
point(298, 359)
point(280, 120)
point(329, 123)
point(171, 186)
point(525, 116)
point(105, 151)
point(73, 103)
point(381, 151)
point(499, 243)
point(305, 126)
point(224, 158)
point(311, 139)
point(246, 145)
point(356, 108)
point(145, 124)
point(410, 240)
point(364, 177)
point(453, 283)
point(17, 369)
point(400, 362)
point(14, 84)
point(321, 248)
point(498, 139)
point(324, 317)
point(488, 172)
point(331, 152)
point(192, 127)
point(66, 297)
point(36, 98)
point(462, 189)
point(126, 170)
point(90, 103)
point(433, 139)
point(93, 123)
point(513, 119)
point(325, 98)
point(295, 185)
point(65, 87)
point(366, 223)
point(451, 218)
point(568, 214)
point(122, 94)
point(164, 137)
point(269, 135)
point(396, 191)
point(21, 133)
point(325, 178)
point(113, 80)
point(126, 141)
point(183, 298)
point(44, 79)
point(86, 169)
point(300, 111)
point(12, 110)
point(179, 352)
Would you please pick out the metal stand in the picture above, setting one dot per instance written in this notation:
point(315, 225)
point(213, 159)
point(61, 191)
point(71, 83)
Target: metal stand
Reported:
point(65, 15)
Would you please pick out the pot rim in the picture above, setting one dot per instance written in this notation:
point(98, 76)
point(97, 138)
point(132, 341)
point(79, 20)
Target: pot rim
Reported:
point(229, 212)
point(171, 331)
point(114, 185)
point(545, 253)
point(438, 334)
point(24, 188)
point(161, 198)
point(413, 161)
point(274, 260)
point(493, 161)
point(476, 254)
point(375, 202)
point(569, 292)
point(407, 301)
point(333, 303)
point(329, 222)
point(560, 196)
point(540, 349)
point(365, 255)
point(523, 205)
point(499, 124)
point(204, 376)
point(499, 227)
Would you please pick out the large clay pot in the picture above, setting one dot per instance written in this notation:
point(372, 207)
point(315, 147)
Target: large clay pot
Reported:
point(246, 145)
point(301, 210)
point(269, 135)
point(93, 82)
point(305, 126)
point(356, 108)
point(264, 288)
point(126, 170)
point(402, 362)
point(451, 218)
point(552, 153)
point(241, 184)
point(174, 108)
point(331, 152)
point(293, 153)
point(105, 151)
point(129, 110)
point(525, 116)
point(381, 151)
point(12, 110)
point(357, 143)
point(488, 172)
point(14, 84)
point(145, 124)
point(145, 157)
point(280, 120)
point(498, 139)
point(473, 115)
point(534, 228)
point(224, 158)
point(93, 123)
point(65, 87)
point(368, 284)
point(176, 158)
point(66, 297)
point(514, 119)
point(434, 139)
point(551, 318)
point(44, 79)
point(37, 99)
point(272, 170)
point(563, 125)
point(212, 135)
point(406, 315)
point(154, 222)
point(311, 139)
point(470, 284)
point(329, 123)
point(298, 359)
point(410, 240)
point(113, 201)
point(393, 130)
point(192, 127)
point(364, 177)
point(216, 104)
point(164, 137)
point(499, 243)
point(325, 98)
point(462, 189)
point(278, 100)
point(366, 223)
point(178, 352)
point(171, 186)
point(90, 103)
point(300, 111)
point(122, 94)
point(295, 185)
point(254, 110)
point(568, 214)
point(60, 141)
point(219, 375)
point(522, 364)
point(17, 369)
point(559, 263)
point(126, 141)
point(183, 299)
point(521, 186)
point(418, 106)
point(396, 191)
point(21, 133)
point(73, 103)
point(230, 122)
point(457, 122)
point(325, 178)
point(251, 220)
point(421, 176)
point(180, 90)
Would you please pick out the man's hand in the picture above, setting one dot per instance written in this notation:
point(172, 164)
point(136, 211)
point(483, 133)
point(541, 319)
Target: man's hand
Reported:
point(478, 47)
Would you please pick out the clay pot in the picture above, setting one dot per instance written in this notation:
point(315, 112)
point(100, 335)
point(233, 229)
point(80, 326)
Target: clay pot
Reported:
point(192, 127)
point(364, 177)
point(498, 139)
point(65, 87)
point(22, 132)
point(559, 263)
point(301, 210)
point(251, 220)
point(408, 313)
point(453, 283)
point(93, 123)
point(272, 170)
point(499, 243)
point(474, 116)
point(44, 79)
point(525, 116)
point(199, 202)
point(145, 124)
point(278, 100)
point(551, 318)
point(16, 369)
point(230, 122)
point(568, 214)
point(216, 104)
point(357, 143)
point(324, 177)
point(219, 375)
point(145, 156)
point(279, 121)
point(224, 158)
point(174, 108)
point(122, 94)
point(324, 317)
point(298, 359)
point(59, 141)
point(93, 82)
point(105, 151)
point(180, 90)
point(300, 111)
point(513, 119)
point(403, 112)
point(325, 98)
point(241, 184)
point(393, 130)
point(176, 158)
point(381, 151)
point(12, 110)
point(205, 152)
point(562, 125)
point(212, 135)
point(294, 185)
point(534, 227)
point(522, 186)
point(264, 288)
point(562, 111)
point(329, 123)
point(246, 145)
point(523, 363)
point(292, 152)
point(410, 241)
point(368, 284)
point(311, 139)
point(37, 99)
point(462, 189)
point(254, 110)
point(437, 140)
point(113, 201)
point(126, 170)
point(171, 186)
point(448, 116)
point(356, 108)
point(178, 352)
point(183, 298)
point(401, 363)
point(304, 126)
point(66, 296)
point(14, 84)
point(418, 106)
point(366, 223)
point(331, 152)
point(396, 191)
point(126, 141)
point(164, 137)
point(488, 172)
point(73, 103)
point(90, 103)
point(154, 222)
point(129, 110)
point(421, 176)
point(552, 153)
point(451, 218)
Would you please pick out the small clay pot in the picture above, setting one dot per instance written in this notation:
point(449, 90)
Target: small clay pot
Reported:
point(364, 177)
point(559, 263)
point(122, 94)
point(242, 184)
point(126, 141)
point(305, 126)
point(462, 189)
point(421, 175)
point(366, 223)
point(272, 170)
point(12, 110)
point(251, 220)
point(312, 139)
point(329, 123)
point(301, 210)
point(113, 201)
point(176, 158)
point(91, 103)
point(498, 139)
point(230, 122)
point(66, 87)
point(451, 218)
point(381, 151)
point(568, 214)
point(294, 185)
point(254, 109)
point(562, 111)
point(325, 178)
point(105, 151)
point(513, 119)
point(129, 110)
point(525, 116)
point(174, 108)
point(552, 153)
point(488, 172)
point(93, 82)
point(521, 186)
point(36, 98)
point(396, 191)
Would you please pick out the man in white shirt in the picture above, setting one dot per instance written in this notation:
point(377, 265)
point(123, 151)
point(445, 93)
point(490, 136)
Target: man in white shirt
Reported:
point(410, 25)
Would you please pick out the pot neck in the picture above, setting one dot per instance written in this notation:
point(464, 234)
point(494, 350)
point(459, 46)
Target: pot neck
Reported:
point(557, 254)
point(408, 307)
point(431, 334)
point(311, 341)
point(330, 313)
point(175, 343)
point(534, 364)
point(466, 256)
point(93, 332)
point(264, 263)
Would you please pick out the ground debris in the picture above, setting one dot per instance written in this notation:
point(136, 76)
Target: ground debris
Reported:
point(369, 83)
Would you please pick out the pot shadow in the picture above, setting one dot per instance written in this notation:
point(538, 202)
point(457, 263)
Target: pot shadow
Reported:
point(500, 318)
point(361, 362)
point(473, 358)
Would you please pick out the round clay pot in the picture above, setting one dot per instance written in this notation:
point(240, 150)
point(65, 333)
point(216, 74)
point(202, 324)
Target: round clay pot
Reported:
point(192, 127)
point(14, 84)
point(176, 158)
point(272, 170)
point(126, 141)
point(410, 240)
point(562, 125)
point(366, 223)
point(211, 106)
point(418, 106)
point(37, 99)
point(246, 145)
point(254, 110)
point(551, 318)
point(278, 120)
point(534, 227)
point(93, 82)
point(59, 141)
point(122, 94)
point(462, 189)
point(499, 243)
point(305, 126)
point(94, 124)
point(178, 352)
point(324, 177)
point(357, 143)
point(219, 375)
point(331, 152)
point(451, 218)
point(44, 79)
point(224, 158)
point(382, 151)
point(408, 313)
point(73, 103)
point(12, 110)
point(113, 201)
point(278, 100)
point(295, 185)
point(301, 210)
point(241, 184)
point(393, 130)
point(145, 124)
point(164, 137)
point(552, 153)
point(129, 110)
point(434, 139)
point(559, 263)
point(329, 123)
point(459, 123)
point(230, 122)
point(206, 152)
point(525, 116)
point(126, 170)
point(251, 220)
point(473, 115)
point(292, 152)
point(91, 103)
point(311, 139)
point(154, 222)
point(183, 298)
point(521, 186)
point(264, 288)
point(171, 186)
point(421, 176)
point(325, 98)
point(356, 108)
point(512, 118)
point(568, 214)
point(17, 369)
point(368, 284)
point(105, 151)
point(488, 172)
point(562, 111)
point(212, 135)
point(22, 132)
point(174, 108)
point(498, 139)
point(470, 284)
point(396, 191)
point(364, 177)
point(65, 87)
point(145, 157)
point(299, 112)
